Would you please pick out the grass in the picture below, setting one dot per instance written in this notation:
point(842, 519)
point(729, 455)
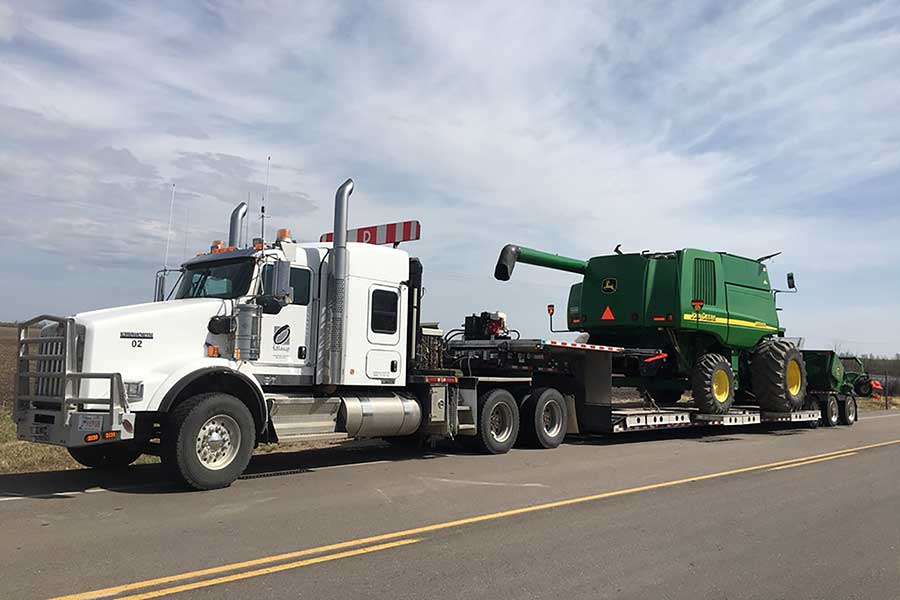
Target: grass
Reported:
point(22, 457)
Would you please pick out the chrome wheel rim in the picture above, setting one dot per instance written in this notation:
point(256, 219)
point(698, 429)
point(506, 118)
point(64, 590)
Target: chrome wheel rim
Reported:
point(218, 442)
point(501, 422)
point(851, 410)
point(551, 419)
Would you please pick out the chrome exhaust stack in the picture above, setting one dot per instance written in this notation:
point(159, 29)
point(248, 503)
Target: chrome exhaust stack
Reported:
point(338, 289)
point(236, 226)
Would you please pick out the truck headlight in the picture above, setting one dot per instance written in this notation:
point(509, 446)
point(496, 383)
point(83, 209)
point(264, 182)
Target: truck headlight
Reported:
point(134, 390)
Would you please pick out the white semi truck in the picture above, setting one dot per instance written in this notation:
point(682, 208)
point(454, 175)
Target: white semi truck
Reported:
point(267, 342)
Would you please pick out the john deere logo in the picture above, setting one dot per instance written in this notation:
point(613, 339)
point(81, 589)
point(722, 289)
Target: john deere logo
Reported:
point(609, 285)
point(282, 335)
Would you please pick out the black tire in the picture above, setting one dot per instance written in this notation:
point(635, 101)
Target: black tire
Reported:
point(106, 456)
point(218, 413)
point(498, 421)
point(830, 411)
point(712, 384)
point(665, 397)
point(545, 418)
point(848, 412)
point(863, 387)
point(778, 376)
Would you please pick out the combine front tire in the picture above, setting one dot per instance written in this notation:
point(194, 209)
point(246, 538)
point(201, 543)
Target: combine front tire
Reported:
point(498, 421)
point(830, 415)
point(106, 456)
point(713, 384)
point(544, 418)
point(863, 387)
point(778, 376)
point(209, 440)
point(848, 411)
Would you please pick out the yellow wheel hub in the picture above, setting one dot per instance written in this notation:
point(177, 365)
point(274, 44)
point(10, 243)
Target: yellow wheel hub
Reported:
point(794, 377)
point(721, 385)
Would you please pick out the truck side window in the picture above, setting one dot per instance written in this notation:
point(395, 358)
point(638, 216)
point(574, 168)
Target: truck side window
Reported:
point(384, 311)
point(300, 282)
point(705, 280)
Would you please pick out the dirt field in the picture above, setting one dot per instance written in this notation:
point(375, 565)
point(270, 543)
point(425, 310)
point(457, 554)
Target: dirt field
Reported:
point(17, 457)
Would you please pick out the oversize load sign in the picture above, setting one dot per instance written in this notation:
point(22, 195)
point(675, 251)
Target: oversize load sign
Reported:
point(391, 233)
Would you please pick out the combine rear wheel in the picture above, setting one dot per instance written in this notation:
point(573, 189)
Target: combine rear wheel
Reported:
point(778, 376)
point(830, 414)
point(863, 387)
point(848, 411)
point(713, 384)
point(665, 397)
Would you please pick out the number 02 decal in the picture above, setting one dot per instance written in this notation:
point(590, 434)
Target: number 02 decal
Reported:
point(137, 343)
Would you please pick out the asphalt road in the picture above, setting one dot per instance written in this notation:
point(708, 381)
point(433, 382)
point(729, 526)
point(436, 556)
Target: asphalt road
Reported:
point(750, 513)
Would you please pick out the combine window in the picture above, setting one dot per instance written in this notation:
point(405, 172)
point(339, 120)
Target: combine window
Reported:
point(705, 280)
point(384, 311)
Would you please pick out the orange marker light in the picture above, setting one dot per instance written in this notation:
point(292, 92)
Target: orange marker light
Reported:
point(92, 437)
point(284, 235)
point(212, 351)
point(551, 309)
point(110, 435)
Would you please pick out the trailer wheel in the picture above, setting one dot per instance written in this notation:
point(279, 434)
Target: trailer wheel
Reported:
point(848, 411)
point(544, 418)
point(498, 421)
point(713, 384)
point(106, 456)
point(209, 441)
point(778, 376)
point(830, 414)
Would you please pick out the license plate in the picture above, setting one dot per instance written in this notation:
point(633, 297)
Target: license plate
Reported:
point(90, 422)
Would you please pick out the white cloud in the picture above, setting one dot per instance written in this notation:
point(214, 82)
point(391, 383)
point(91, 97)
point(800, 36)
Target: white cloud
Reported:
point(7, 23)
point(572, 128)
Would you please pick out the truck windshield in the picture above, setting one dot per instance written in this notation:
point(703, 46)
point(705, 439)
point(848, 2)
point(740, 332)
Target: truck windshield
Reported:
point(225, 279)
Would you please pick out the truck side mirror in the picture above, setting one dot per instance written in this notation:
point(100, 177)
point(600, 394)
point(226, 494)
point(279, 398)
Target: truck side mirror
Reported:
point(790, 281)
point(281, 282)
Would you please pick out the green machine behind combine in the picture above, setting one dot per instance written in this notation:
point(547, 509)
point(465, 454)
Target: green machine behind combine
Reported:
point(712, 313)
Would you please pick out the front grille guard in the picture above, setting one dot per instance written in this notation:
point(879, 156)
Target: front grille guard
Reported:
point(48, 377)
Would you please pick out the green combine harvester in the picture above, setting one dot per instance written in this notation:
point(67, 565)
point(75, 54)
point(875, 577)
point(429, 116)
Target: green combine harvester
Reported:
point(712, 312)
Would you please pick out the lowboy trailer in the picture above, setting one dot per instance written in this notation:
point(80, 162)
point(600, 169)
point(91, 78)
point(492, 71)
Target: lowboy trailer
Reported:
point(263, 342)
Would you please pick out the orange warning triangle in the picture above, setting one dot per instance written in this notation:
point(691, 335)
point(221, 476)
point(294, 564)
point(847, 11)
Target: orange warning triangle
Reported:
point(608, 315)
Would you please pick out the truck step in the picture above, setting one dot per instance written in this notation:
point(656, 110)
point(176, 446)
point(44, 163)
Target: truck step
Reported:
point(464, 417)
point(466, 427)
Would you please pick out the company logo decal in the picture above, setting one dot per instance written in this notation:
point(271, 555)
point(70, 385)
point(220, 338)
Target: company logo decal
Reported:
point(609, 285)
point(282, 335)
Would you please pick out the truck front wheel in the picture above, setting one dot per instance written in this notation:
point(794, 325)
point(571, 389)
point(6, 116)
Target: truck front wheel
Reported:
point(498, 421)
point(106, 456)
point(209, 441)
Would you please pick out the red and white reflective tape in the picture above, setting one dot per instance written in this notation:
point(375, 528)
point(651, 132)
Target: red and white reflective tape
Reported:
point(391, 233)
point(581, 346)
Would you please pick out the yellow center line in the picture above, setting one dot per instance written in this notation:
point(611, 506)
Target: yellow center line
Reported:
point(268, 570)
point(811, 462)
point(111, 591)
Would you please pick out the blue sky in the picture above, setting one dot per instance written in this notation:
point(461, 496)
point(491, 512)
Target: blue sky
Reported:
point(752, 128)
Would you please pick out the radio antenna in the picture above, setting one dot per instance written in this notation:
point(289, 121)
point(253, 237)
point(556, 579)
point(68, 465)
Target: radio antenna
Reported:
point(187, 228)
point(262, 211)
point(169, 230)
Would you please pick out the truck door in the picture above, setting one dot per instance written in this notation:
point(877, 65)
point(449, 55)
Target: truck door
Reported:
point(285, 337)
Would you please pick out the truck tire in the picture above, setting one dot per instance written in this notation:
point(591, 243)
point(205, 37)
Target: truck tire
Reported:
point(209, 440)
point(545, 417)
point(863, 387)
point(106, 456)
point(848, 411)
point(665, 397)
point(830, 414)
point(712, 384)
point(778, 376)
point(498, 421)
